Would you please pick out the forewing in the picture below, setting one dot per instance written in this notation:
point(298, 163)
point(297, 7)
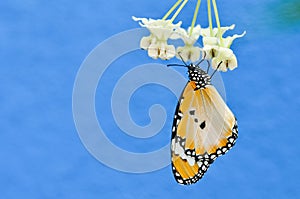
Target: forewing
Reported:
point(203, 129)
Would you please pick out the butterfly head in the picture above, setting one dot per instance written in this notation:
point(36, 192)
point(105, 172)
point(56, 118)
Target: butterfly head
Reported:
point(199, 76)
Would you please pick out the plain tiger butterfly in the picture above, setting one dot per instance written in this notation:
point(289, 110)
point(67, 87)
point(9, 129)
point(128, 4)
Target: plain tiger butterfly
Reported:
point(204, 128)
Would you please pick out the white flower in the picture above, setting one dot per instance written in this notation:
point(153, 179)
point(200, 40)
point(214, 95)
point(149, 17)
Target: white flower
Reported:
point(217, 50)
point(225, 58)
point(156, 42)
point(188, 52)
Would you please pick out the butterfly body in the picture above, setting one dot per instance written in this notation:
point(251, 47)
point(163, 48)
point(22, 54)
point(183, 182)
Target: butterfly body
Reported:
point(198, 76)
point(203, 129)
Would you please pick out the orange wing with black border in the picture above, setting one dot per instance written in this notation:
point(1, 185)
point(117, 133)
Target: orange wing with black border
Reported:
point(204, 128)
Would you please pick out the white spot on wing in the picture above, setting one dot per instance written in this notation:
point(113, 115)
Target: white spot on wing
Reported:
point(190, 160)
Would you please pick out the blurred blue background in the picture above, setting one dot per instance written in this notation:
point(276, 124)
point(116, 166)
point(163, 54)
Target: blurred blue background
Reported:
point(43, 44)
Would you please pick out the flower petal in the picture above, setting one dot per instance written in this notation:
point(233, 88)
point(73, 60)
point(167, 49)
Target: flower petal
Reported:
point(188, 39)
point(161, 50)
point(228, 40)
point(170, 52)
point(160, 32)
point(212, 41)
point(142, 21)
point(210, 51)
point(166, 51)
point(226, 59)
point(216, 63)
point(195, 53)
point(188, 53)
point(194, 36)
point(153, 51)
point(179, 33)
point(146, 42)
point(232, 62)
point(223, 29)
point(205, 32)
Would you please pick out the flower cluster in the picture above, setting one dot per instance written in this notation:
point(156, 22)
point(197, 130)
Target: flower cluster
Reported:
point(161, 31)
point(156, 43)
point(215, 48)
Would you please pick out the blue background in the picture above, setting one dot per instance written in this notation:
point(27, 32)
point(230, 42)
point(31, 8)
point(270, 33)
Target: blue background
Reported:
point(43, 43)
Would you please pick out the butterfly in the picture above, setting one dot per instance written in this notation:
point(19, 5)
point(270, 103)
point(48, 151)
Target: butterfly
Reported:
point(204, 128)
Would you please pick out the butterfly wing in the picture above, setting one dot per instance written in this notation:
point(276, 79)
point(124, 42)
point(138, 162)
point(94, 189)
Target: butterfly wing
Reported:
point(203, 129)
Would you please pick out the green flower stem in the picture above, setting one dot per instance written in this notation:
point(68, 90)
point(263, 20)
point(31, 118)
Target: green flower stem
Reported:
point(178, 11)
point(217, 21)
point(209, 18)
point(195, 16)
point(172, 9)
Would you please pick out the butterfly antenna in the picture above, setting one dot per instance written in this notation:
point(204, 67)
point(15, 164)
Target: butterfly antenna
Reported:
point(182, 59)
point(201, 59)
point(208, 66)
point(176, 65)
point(200, 62)
point(216, 69)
